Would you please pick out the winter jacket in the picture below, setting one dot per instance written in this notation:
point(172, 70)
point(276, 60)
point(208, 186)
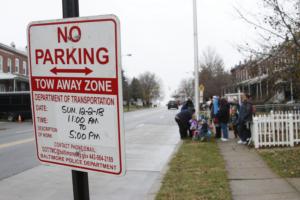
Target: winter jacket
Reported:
point(245, 113)
point(187, 105)
point(214, 107)
point(224, 114)
point(185, 116)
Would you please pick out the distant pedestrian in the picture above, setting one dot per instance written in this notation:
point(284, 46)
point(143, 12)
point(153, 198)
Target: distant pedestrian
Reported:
point(245, 119)
point(224, 116)
point(182, 119)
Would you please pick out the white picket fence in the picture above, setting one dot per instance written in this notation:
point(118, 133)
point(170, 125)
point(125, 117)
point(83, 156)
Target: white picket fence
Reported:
point(276, 129)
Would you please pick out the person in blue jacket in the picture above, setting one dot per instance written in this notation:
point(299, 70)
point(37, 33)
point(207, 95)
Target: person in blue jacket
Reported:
point(214, 116)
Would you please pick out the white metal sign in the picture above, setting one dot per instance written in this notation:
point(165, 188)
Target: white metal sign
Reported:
point(76, 93)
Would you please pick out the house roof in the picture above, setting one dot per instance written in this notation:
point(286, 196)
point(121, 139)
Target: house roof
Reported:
point(254, 80)
point(13, 50)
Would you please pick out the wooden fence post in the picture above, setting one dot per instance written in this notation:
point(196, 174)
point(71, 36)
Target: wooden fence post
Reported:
point(291, 129)
point(255, 132)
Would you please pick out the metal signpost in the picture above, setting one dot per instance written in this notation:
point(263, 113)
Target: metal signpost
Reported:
point(196, 61)
point(76, 94)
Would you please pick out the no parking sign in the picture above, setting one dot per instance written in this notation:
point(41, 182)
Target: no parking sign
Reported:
point(76, 93)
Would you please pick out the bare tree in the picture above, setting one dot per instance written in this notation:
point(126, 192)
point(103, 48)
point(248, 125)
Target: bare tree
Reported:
point(278, 25)
point(277, 22)
point(186, 87)
point(212, 74)
point(151, 86)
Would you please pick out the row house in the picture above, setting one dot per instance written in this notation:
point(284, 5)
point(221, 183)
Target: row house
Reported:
point(266, 78)
point(13, 69)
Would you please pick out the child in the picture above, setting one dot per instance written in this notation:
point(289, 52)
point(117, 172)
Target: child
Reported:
point(204, 131)
point(193, 126)
point(234, 119)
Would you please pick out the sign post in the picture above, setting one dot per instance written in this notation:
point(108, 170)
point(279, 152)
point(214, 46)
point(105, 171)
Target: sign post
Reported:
point(80, 180)
point(76, 94)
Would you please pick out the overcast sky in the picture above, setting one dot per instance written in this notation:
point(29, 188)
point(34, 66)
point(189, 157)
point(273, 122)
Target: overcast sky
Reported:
point(158, 33)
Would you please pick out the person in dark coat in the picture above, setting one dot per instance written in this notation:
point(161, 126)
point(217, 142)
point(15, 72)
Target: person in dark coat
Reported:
point(245, 119)
point(224, 116)
point(234, 115)
point(182, 119)
point(188, 105)
point(234, 119)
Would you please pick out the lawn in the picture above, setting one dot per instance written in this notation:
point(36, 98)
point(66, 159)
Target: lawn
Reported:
point(284, 162)
point(197, 171)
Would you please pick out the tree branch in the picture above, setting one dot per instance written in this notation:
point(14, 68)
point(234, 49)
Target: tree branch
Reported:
point(289, 27)
point(257, 25)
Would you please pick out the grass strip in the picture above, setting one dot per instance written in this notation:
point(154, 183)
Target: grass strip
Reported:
point(197, 171)
point(284, 162)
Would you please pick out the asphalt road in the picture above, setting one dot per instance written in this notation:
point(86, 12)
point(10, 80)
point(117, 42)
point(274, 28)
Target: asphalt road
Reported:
point(17, 148)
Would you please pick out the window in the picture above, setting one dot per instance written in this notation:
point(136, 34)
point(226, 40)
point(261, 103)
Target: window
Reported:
point(17, 64)
point(9, 68)
point(25, 67)
point(1, 64)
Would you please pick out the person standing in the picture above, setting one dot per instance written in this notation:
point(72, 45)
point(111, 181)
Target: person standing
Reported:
point(234, 116)
point(245, 119)
point(214, 116)
point(182, 119)
point(224, 117)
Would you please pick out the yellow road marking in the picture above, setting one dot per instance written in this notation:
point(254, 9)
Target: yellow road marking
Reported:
point(16, 143)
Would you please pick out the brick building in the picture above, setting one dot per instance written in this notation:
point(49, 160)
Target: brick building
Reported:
point(13, 69)
point(268, 78)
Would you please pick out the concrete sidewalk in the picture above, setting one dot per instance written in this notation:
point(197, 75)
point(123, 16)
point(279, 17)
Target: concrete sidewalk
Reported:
point(148, 150)
point(250, 178)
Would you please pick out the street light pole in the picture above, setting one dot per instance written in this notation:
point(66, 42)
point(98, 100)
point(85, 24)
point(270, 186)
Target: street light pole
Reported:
point(196, 63)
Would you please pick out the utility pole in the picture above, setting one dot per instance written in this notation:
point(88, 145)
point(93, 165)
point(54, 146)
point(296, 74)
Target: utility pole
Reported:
point(196, 62)
point(80, 179)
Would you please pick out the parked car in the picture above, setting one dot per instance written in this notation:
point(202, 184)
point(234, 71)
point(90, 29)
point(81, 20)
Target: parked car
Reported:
point(172, 104)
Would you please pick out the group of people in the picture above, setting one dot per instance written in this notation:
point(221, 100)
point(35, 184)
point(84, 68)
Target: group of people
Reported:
point(189, 125)
point(223, 113)
point(238, 115)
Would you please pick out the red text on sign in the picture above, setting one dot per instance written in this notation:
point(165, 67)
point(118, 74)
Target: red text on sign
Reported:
point(75, 56)
point(77, 85)
point(74, 34)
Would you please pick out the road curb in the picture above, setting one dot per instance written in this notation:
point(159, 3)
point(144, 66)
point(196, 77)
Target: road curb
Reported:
point(158, 182)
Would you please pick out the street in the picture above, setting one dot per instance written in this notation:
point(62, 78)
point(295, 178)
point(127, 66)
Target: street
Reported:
point(17, 148)
point(150, 136)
